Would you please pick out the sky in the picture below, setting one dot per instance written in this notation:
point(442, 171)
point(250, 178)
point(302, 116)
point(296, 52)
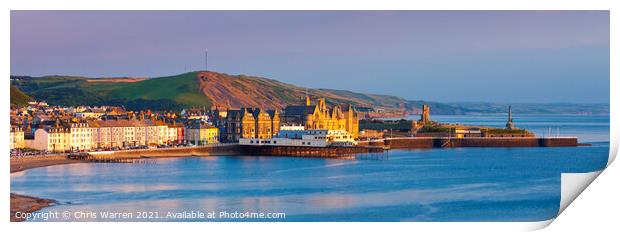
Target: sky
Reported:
point(446, 56)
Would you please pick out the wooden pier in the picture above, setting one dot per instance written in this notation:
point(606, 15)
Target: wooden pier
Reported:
point(314, 152)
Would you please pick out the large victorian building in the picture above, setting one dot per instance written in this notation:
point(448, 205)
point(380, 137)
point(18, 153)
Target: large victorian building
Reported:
point(251, 123)
point(319, 116)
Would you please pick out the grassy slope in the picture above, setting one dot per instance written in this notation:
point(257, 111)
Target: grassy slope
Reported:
point(182, 89)
point(69, 90)
point(18, 97)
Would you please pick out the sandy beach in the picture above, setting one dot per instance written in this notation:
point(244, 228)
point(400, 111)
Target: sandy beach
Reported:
point(27, 204)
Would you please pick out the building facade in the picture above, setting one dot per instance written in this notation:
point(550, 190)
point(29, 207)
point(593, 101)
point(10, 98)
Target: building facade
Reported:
point(53, 139)
point(320, 116)
point(251, 123)
point(201, 133)
point(17, 138)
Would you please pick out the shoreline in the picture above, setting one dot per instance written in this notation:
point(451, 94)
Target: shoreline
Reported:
point(28, 204)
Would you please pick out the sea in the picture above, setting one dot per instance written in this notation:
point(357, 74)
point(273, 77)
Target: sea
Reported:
point(450, 184)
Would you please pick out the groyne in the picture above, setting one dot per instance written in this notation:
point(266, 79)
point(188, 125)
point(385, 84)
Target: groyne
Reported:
point(220, 149)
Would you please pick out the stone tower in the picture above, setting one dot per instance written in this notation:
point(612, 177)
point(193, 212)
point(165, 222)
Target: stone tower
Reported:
point(510, 125)
point(426, 114)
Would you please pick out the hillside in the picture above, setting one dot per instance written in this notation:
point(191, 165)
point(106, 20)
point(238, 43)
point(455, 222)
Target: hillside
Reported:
point(239, 91)
point(172, 92)
point(190, 89)
point(18, 97)
point(206, 89)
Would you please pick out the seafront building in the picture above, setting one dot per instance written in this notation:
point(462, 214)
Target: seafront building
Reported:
point(298, 136)
point(251, 123)
point(52, 139)
point(17, 137)
point(176, 133)
point(104, 134)
point(199, 132)
point(320, 116)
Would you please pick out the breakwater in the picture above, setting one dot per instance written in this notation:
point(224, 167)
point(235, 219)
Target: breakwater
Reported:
point(446, 142)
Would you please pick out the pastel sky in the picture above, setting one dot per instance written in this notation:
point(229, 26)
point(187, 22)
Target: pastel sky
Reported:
point(457, 56)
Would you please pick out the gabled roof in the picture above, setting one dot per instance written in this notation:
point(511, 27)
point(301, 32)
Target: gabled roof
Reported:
point(299, 110)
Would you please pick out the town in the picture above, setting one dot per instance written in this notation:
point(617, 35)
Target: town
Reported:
point(42, 129)
point(55, 129)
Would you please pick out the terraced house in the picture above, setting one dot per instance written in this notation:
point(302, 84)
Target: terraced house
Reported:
point(199, 132)
point(103, 134)
point(251, 123)
point(17, 137)
point(52, 139)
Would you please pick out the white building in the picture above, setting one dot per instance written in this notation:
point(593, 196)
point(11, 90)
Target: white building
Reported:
point(294, 136)
point(53, 139)
point(81, 135)
point(17, 137)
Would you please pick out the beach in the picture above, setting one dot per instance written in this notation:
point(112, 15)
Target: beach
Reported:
point(28, 204)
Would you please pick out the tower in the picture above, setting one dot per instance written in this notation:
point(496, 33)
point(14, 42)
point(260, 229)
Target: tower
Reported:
point(510, 125)
point(426, 114)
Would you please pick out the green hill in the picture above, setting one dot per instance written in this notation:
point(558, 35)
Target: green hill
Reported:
point(182, 89)
point(172, 92)
point(18, 97)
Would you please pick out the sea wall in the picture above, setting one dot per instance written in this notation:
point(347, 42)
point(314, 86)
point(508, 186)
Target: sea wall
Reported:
point(417, 142)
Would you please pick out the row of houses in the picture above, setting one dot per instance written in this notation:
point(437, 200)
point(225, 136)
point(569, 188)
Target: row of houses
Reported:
point(110, 134)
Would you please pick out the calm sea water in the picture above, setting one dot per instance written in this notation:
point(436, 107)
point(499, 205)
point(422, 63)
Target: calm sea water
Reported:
point(460, 184)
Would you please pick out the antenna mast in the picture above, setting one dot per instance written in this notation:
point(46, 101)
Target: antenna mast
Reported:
point(206, 56)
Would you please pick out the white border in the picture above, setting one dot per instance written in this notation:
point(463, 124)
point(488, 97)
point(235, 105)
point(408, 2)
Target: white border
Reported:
point(308, 5)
